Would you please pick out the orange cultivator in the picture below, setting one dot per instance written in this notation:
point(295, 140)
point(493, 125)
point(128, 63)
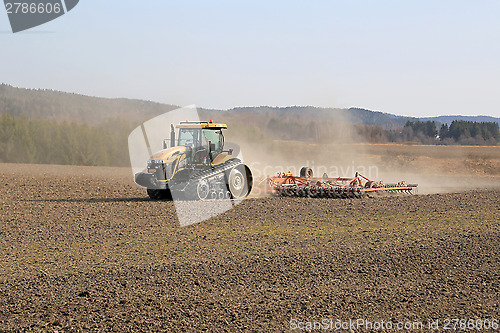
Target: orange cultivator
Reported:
point(288, 185)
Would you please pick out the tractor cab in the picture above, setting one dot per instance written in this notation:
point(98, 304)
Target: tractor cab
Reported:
point(204, 141)
point(194, 165)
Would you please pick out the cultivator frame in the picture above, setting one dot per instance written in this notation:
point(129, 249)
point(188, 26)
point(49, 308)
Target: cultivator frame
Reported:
point(287, 185)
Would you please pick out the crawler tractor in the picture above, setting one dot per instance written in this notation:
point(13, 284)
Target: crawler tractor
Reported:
point(194, 166)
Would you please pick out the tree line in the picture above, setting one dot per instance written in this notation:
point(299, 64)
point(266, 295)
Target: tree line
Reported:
point(45, 141)
point(459, 132)
point(467, 132)
point(424, 132)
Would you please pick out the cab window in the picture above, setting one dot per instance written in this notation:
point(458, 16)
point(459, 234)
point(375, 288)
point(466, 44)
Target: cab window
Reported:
point(214, 136)
point(189, 137)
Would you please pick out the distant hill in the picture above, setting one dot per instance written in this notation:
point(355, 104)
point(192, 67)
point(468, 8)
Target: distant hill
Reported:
point(352, 115)
point(45, 126)
point(449, 119)
point(61, 106)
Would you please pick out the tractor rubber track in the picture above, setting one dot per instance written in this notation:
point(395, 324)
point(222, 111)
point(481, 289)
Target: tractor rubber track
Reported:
point(215, 171)
point(217, 175)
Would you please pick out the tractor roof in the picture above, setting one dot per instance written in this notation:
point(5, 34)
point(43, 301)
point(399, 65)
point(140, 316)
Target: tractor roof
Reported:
point(202, 124)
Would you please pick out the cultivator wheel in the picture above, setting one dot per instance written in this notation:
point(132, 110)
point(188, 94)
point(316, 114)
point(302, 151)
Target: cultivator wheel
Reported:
point(306, 172)
point(371, 184)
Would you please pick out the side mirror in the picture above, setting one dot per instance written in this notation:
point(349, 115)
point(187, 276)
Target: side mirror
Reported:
point(165, 144)
point(212, 146)
point(232, 148)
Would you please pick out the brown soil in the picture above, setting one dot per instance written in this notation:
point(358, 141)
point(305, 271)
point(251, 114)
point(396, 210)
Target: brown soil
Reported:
point(84, 249)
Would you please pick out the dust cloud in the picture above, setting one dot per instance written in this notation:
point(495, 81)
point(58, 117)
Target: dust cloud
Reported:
point(442, 169)
point(436, 169)
point(340, 155)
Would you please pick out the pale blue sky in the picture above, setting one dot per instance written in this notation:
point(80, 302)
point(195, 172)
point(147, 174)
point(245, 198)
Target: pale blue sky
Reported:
point(418, 58)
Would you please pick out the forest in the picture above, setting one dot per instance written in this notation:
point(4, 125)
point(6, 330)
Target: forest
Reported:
point(51, 127)
point(45, 141)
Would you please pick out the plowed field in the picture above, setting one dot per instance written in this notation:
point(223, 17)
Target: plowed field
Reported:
point(82, 248)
